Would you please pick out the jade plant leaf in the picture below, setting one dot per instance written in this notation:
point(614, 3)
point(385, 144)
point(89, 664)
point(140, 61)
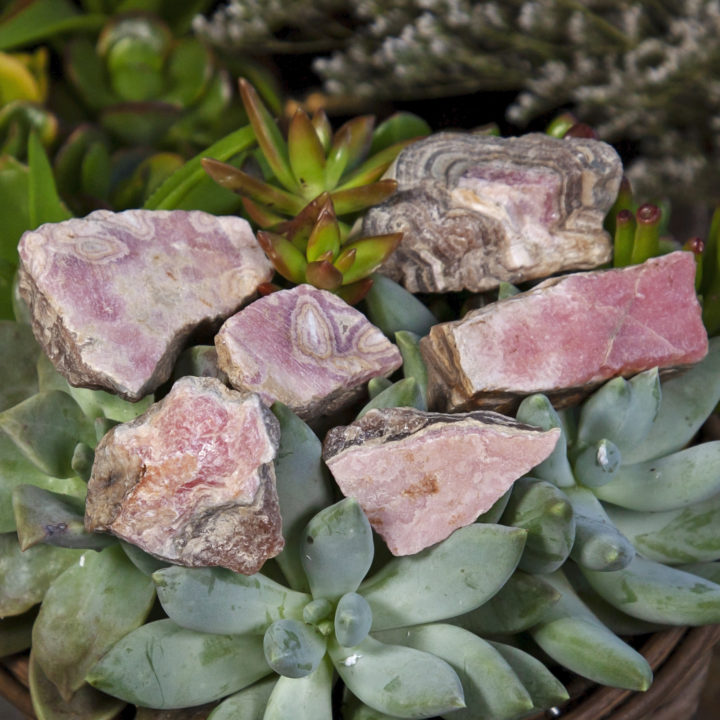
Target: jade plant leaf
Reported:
point(26, 576)
point(17, 363)
point(292, 648)
point(400, 681)
point(98, 403)
point(220, 601)
point(452, 577)
point(86, 610)
point(337, 549)
point(391, 307)
point(303, 488)
point(87, 703)
point(13, 206)
point(53, 518)
point(306, 698)
point(403, 393)
point(164, 666)
point(47, 427)
point(16, 632)
point(248, 704)
point(44, 202)
point(490, 686)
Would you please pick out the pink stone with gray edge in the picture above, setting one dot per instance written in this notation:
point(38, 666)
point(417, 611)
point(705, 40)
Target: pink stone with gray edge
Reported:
point(306, 348)
point(419, 476)
point(567, 336)
point(192, 481)
point(115, 296)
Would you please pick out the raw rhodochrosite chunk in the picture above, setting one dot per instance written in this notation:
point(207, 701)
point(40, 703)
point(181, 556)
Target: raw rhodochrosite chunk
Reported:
point(305, 347)
point(419, 476)
point(115, 296)
point(476, 210)
point(568, 335)
point(192, 480)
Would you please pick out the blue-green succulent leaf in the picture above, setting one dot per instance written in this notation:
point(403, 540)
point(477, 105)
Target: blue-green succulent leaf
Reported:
point(248, 704)
point(377, 385)
point(216, 600)
point(164, 666)
point(147, 564)
point(413, 365)
point(44, 202)
point(400, 681)
point(17, 363)
point(392, 308)
point(353, 619)
point(452, 577)
point(403, 393)
point(292, 648)
point(598, 463)
point(337, 549)
point(305, 698)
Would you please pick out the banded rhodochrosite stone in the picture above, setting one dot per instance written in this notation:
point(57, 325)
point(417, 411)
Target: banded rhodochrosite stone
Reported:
point(192, 480)
point(306, 348)
point(419, 476)
point(115, 296)
point(567, 335)
point(476, 210)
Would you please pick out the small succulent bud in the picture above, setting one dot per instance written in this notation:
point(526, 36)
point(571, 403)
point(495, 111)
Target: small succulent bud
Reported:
point(696, 246)
point(581, 130)
point(647, 233)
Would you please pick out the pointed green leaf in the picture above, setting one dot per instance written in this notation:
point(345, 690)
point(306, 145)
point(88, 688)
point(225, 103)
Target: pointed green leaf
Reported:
point(322, 128)
point(86, 610)
point(262, 216)
point(16, 633)
point(490, 686)
point(44, 203)
point(292, 648)
point(355, 292)
point(17, 363)
point(14, 193)
point(392, 308)
point(323, 275)
point(337, 549)
point(98, 403)
point(306, 155)
point(87, 703)
point(370, 253)
point(337, 158)
point(248, 704)
point(164, 666)
point(25, 576)
point(354, 199)
point(359, 130)
point(403, 393)
point(219, 601)
point(506, 290)
point(456, 576)
point(374, 167)
point(413, 364)
point(46, 427)
point(400, 681)
point(325, 235)
point(303, 487)
point(398, 127)
point(268, 136)
point(284, 256)
point(377, 385)
point(47, 517)
point(306, 698)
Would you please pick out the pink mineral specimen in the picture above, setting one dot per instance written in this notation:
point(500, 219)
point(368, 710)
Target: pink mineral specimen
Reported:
point(192, 480)
point(419, 476)
point(115, 296)
point(306, 348)
point(568, 335)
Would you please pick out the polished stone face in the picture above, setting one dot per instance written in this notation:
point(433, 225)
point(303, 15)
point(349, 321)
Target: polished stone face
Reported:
point(568, 335)
point(115, 296)
point(192, 480)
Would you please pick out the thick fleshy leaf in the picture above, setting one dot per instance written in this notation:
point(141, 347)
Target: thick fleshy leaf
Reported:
point(292, 648)
point(370, 253)
point(353, 619)
point(87, 703)
point(359, 130)
point(597, 464)
point(322, 128)
point(303, 485)
point(413, 364)
point(14, 207)
point(46, 427)
point(53, 518)
point(354, 199)
point(145, 563)
point(400, 681)
point(494, 514)
point(659, 593)
point(337, 549)
point(398, 127)
point(17, 363)
point(454, 576)
point(373, 168)
point(324, 275)
point(391, 307)
point(164, 666)
point(338, 157)
point(521, 603)
point(678, 480)
point(306, 155)
point(377, 385)
point(86, 610)
point(98, 403)
point(216, 600)
point(403, 393)
point(248, 704)
point(306, 698)
point(490, 686)
point(354, 709)
point(44, 202)
point(284, 256)
point(262, 216)
point(325, 235)
point(16, 632)
point(26, 576)
point(268, 135)
point(355, 292)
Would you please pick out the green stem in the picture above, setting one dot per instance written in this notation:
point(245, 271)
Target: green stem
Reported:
point(624, 238)
point(647, 233)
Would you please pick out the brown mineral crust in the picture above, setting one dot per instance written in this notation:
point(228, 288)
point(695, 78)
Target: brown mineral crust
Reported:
point(420, 476)
point(192, 481)
point(114, 297)
point(476, 210)
point(306, 348)
point(568, 335)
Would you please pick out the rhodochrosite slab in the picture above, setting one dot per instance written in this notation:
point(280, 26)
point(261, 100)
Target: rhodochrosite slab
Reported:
point(115, 296)
point(192, 480)
point(306, 348)
point(568, 335)
point(419, 476)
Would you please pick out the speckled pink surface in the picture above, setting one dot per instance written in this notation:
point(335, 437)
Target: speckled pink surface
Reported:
point(306, 348)
point(192, 480)
point(114, 296)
